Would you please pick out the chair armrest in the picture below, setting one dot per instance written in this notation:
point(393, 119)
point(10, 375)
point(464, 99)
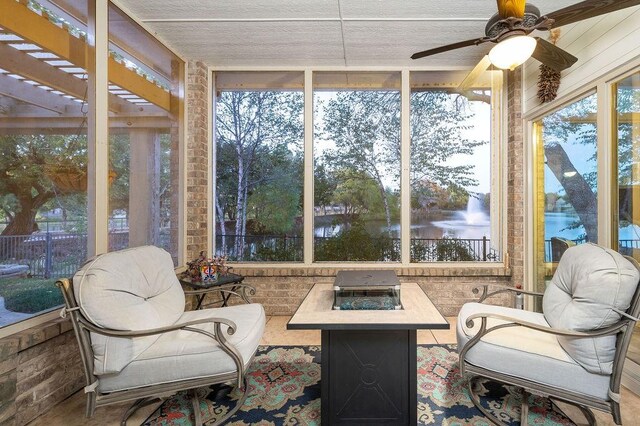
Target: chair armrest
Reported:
point(240, 290)
point(218, 336)
point(501, 289)
point(514, 322)
point(150, 332)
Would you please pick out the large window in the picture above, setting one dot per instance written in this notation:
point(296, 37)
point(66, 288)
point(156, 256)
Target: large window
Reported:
point(450, 174)
point(627, 215)
point(259, 166)
point(145, 81)
point(567, 203)
point(357, 166)
point(52, 212)
point(309, 167)
point(43, 158)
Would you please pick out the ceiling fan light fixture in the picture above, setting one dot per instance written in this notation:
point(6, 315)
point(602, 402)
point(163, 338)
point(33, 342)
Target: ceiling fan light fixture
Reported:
point(512, 52)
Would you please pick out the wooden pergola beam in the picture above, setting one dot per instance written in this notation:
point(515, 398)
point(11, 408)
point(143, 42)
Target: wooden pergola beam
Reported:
point(70, 126)
point(31, 68)
point(17, 18)
point(24, 92)
point(21, 110)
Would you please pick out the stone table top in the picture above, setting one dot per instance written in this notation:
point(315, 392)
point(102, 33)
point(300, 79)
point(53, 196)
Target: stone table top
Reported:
point(315, 312)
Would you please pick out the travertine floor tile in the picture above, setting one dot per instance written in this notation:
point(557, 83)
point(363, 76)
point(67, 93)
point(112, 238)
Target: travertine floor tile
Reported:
point(276, 333)
point(425, 337)
point(446, 337)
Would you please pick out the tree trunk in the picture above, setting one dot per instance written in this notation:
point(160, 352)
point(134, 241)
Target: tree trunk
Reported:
point(387, 212)
point(240, 206)
point(223, 228)
point(579, 193)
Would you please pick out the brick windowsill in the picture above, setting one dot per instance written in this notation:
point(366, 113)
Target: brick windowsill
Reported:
point(330, 271)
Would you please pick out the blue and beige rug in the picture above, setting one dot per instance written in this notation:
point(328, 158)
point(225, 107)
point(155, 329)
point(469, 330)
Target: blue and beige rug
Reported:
point(285, 390)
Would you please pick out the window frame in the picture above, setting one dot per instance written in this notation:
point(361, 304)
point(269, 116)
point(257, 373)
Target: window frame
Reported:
point(603, 87)
point(498, 168)
point(98, 167)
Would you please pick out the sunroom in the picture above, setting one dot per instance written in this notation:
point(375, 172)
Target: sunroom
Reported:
point(324, 196)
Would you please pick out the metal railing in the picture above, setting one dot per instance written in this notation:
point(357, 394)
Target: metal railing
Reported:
point(288, 248)
point(58, 255)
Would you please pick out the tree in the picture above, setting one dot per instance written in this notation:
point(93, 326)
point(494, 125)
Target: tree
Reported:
point(27, 167)
point(438, 122)
point(250, 126)
point(365, 127)
point(574, 123)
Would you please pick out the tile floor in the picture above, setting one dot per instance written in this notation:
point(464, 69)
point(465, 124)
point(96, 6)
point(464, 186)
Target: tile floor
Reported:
point(71, 411)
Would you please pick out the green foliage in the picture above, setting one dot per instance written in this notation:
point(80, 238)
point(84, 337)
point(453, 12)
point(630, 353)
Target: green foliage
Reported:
point(452, 251)
point(25, 186)
point(356, 244)
point(444, 250)
point(282, 251)
point(30, 295)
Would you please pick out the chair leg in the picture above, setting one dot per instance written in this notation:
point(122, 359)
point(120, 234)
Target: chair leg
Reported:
point(195, 402)
point(524, 410)
point(615, 412)
point(239, 404)
point(91, 404)
point(135, 406)
point(476, 401)
point(586, 412)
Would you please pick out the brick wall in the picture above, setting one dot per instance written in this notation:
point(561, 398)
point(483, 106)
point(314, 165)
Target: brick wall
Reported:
point(515, 176)
point(197, 158)
point(281, 290)
point(39, 367)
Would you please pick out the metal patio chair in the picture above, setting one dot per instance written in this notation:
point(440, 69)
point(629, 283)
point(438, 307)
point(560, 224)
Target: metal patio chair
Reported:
point(573, 352)
point(136, 341)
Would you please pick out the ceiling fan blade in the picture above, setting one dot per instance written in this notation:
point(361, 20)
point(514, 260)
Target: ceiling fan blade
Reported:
point(511, 8)
point(552, 56)
point(436, 50)
point(473, 75)
point(588, 9)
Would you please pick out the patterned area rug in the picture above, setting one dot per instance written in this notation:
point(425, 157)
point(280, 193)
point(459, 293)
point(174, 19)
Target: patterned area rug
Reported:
point(285, 390)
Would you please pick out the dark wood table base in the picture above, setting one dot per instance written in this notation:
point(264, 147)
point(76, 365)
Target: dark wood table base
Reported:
point(369, 377)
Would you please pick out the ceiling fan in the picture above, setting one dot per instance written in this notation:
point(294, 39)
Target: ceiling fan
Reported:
point(515, 20)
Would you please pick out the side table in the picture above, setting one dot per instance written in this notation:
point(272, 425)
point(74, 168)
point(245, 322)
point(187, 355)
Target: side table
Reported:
point(228, 285)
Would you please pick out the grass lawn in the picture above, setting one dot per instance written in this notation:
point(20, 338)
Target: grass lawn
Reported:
point(30, 295)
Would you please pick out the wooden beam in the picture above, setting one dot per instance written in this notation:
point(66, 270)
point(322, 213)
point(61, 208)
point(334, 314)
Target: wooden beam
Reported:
point(38, 30)
point(70, 126)
point(472, 77)
point(31, 68)
point(33, 95)
point(75, 110)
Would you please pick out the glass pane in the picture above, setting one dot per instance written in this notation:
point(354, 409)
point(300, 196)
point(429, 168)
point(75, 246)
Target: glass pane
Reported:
point(145, 85)
point(451, 177)
point(357, 167)
point(567, 212)
point(259, 166)
point(43, 159)
point(627, 120)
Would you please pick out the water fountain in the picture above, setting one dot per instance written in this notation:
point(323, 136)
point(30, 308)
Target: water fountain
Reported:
point(475, 216)
point(470, 223)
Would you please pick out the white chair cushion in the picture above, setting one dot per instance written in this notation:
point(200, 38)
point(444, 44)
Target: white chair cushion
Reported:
point(589, 281)
point(132, 289)
point(526, 353)
point(182, 355)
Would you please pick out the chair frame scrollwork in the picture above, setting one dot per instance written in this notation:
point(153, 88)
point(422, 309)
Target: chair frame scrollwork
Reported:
point(147, 394)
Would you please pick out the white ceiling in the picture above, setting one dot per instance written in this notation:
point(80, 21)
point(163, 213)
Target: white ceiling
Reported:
point(280, 33)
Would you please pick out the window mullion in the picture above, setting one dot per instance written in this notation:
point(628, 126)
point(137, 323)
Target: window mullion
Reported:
point(308, 222)
point(405, 160)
